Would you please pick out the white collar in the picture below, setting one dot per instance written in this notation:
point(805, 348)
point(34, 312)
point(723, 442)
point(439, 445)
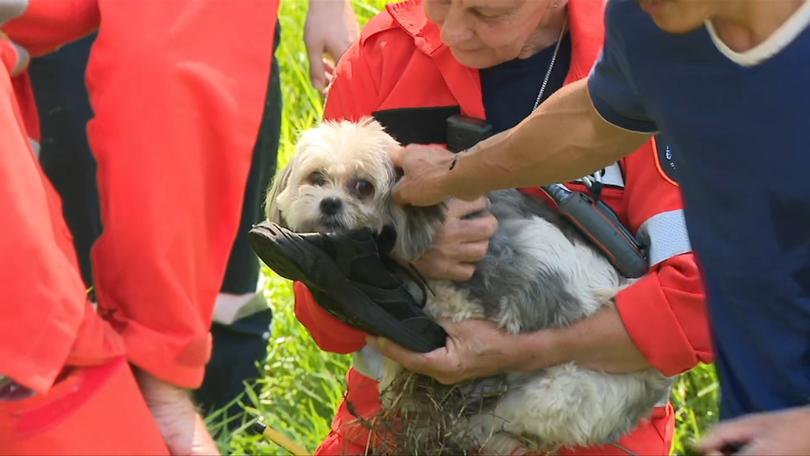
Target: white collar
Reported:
point(772, 45)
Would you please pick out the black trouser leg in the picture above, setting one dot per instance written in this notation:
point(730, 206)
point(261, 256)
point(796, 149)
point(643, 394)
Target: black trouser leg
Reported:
point(64, 111)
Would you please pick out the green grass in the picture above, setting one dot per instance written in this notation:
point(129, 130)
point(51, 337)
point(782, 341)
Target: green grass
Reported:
point(302, 385)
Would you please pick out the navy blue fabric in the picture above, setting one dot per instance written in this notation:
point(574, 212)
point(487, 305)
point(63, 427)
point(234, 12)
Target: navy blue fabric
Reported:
point(739, 136)
point(242, 272)
point(237, 349)
point(64, 111)
point(510, 89)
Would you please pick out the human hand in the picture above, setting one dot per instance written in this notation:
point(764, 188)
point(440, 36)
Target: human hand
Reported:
point(777, 433)
point(182, 427)
point(331, 28)
point(475, 349)
point(459, 242)
point(424, 170)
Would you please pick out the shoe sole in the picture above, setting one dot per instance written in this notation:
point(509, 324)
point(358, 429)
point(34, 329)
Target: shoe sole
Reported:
point(289, 255)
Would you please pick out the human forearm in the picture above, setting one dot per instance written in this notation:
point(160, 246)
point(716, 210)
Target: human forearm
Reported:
point(182, 428)
point(598, 342)
point(562, 140)
point(478, 348)
point(664, 313)
point(659, 321)
point(331, 28)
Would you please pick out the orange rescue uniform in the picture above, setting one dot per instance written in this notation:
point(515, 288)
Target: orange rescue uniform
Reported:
point(178, 90)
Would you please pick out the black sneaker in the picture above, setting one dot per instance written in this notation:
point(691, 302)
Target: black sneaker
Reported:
point(351, 280)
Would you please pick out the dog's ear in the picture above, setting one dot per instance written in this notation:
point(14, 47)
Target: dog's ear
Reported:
point(415, 228)
point(272, 210)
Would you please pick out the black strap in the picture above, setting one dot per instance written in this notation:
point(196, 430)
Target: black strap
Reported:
point(417, 125)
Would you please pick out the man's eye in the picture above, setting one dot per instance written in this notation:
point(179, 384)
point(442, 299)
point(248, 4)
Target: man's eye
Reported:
point(489, 15)
point(362, 188)
point(316, 179)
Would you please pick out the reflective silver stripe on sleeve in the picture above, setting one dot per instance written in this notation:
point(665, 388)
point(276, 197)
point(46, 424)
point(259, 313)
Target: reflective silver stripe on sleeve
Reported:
point(9, 9)
point(35, 147)
point(369, 362)
point(229, 307)
point(666, 236)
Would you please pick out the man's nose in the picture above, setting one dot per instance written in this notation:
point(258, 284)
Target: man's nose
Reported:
point(455, 29)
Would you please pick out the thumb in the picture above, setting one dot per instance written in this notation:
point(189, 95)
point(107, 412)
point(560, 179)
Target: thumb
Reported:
point(337, 48)
point(316, 69)
point(727, 437)
point(400, 194)
point(397, 156)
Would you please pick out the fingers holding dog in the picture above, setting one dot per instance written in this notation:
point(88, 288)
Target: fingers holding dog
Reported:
point(423, 170)
point(460, 208)
point(475, 349)
point(461, 241)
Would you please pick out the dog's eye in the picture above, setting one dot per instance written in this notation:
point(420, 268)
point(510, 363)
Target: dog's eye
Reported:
point(316, 178)
point(362, 188)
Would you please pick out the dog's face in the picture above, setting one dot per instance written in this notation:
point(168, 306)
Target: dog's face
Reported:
point(339, 179)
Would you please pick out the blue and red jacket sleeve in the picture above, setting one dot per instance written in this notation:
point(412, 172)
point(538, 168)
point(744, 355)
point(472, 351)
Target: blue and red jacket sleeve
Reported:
point(665, 311)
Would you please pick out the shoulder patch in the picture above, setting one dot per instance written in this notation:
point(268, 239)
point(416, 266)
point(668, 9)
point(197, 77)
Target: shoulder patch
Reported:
point(666, 159)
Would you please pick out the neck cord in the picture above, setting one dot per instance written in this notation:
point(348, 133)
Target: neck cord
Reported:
point(550, 66)
point(593, 182)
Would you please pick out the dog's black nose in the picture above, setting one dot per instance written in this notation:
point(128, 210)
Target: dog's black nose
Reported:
point(330, 206)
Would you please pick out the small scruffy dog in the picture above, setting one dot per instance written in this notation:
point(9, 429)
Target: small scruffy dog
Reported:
point(538, 273)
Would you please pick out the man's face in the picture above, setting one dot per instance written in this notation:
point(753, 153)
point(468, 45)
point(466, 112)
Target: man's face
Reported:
point(485, 33)
point(678, 16)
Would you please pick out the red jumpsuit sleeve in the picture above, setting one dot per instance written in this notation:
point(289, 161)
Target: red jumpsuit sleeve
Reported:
point(47, 24)
point(665, 311)
point(43, 296)
point(328, 332)
point(173, 135)
point(48, 322)
point(351, 97)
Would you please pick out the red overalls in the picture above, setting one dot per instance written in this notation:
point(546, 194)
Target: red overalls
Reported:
point(178, 90)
